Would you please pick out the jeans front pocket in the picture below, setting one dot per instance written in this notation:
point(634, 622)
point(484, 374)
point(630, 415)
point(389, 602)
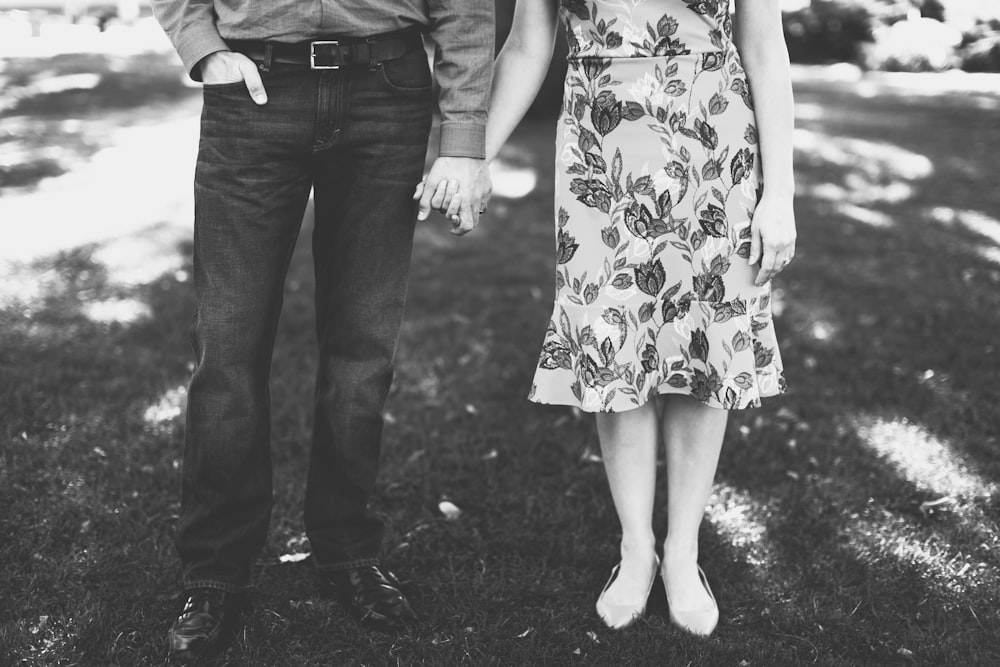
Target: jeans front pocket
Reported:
point(408, 74)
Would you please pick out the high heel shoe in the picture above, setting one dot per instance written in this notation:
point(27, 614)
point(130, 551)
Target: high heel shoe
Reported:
point(620, 616)
point(700, 621)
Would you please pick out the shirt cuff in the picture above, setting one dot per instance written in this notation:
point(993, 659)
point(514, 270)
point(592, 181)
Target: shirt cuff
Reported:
point(460, 139)
point(196, 46)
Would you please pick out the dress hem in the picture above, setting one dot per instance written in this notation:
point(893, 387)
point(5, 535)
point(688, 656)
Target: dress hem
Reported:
point(665, 391)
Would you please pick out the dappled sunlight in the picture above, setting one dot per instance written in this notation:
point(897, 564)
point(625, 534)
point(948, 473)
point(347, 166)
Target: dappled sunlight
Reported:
point(874, 172)
point(46, 84)
point(877, 160)
point(741, 521)
point(932, 557)
point(921, 458)
point(975, 222)
point(49, 636)
point(164, 415)
point(142, 180)
point(140, 258)
point(122, 311)
point(813, 320)
point(867, 216)
point(822, 331)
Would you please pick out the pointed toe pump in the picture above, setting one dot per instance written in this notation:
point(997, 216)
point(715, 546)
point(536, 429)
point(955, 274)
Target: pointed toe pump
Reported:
point(620, 616)
point(696, 621)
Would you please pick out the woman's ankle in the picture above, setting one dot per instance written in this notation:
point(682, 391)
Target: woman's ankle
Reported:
point(680, 551)
point(637, 545)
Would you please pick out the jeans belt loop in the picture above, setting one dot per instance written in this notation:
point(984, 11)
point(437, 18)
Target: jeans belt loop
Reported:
point(372, 63)
point(265, 66)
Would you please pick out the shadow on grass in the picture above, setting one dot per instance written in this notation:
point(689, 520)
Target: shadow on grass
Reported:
point(855, 519)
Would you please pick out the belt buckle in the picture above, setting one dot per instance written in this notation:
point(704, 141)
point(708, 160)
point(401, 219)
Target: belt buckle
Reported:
point(312, 54)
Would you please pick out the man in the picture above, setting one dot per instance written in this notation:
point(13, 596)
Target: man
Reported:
point(333, 96)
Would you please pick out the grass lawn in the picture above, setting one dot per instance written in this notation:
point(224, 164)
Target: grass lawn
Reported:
point(855, 519)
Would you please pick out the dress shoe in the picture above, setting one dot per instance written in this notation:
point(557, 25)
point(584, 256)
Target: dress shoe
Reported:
point(372, 598)
point(696, 621)
point(206, 626)
point(620, 616)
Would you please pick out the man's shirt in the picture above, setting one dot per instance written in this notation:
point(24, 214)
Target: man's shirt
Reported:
point(463, 31)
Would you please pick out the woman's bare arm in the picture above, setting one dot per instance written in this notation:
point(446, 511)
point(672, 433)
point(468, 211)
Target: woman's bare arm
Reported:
point(761, 43)
point(520, 69)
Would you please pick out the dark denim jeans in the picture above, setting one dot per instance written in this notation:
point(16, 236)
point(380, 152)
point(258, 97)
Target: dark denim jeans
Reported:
point(358, 137)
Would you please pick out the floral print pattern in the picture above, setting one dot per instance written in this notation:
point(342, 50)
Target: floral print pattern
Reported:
point(657, 179)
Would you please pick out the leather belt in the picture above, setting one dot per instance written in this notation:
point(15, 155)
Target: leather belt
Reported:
point(332, 53)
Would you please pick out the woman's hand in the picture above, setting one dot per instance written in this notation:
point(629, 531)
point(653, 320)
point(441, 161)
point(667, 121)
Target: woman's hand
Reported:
point(448, 197)
point(772, 237)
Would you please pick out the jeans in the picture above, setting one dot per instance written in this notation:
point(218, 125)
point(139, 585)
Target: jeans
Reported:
point(356, 136)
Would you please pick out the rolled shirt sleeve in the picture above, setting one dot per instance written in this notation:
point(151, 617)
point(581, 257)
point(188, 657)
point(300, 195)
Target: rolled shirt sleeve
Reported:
point(463, 32)
point(191, 27)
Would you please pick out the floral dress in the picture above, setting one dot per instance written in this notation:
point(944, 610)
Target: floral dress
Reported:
point(657, 179)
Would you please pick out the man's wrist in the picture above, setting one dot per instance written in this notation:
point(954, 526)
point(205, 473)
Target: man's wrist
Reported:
point(463, 140)
point(197, 46)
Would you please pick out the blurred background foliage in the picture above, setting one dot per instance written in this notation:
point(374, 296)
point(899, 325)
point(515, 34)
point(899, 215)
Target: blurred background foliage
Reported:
point(894, 35)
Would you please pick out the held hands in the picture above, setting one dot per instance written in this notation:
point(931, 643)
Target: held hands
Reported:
point(458, 187)
point(224, 67)
point(772, 240)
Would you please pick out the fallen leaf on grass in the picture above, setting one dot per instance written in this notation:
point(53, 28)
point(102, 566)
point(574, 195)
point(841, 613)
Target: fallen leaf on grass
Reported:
point(293, 558)
point(929, 505)
point(449, 510)
point(525, 633)
point(490, 455)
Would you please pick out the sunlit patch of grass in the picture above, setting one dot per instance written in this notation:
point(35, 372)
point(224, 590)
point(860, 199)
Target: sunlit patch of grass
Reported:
point(931, 557)
point(921, 458)
point(742, 521)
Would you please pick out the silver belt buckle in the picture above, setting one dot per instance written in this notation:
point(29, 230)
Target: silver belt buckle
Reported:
point(312, 54)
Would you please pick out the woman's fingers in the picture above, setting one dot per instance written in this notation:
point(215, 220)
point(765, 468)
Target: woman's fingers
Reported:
point(419, 190)
point(768, 262)
point(755, 245)
point(775, 258)
point(454, 205)
point(437, 199)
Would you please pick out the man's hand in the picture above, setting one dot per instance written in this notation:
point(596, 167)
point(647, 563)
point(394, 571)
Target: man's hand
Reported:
point(453, 187)
point(224, 67)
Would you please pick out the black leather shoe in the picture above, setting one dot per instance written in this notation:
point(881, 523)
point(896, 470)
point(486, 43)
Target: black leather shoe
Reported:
point(372, 597)
point(206, 626)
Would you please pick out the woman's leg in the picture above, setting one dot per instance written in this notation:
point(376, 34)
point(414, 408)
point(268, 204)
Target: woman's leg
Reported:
point(628, 447)
point(693, 434)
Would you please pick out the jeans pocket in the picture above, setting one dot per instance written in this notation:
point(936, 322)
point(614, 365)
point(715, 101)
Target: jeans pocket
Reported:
point(408, 74)
point(229, 85)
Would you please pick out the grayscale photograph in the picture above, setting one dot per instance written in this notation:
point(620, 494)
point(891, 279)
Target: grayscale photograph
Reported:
point(499, 333)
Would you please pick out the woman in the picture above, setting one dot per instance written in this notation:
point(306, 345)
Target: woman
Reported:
point(674, 211)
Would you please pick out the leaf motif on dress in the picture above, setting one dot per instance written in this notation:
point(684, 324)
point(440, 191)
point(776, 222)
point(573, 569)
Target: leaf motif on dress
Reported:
point(650, 276)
